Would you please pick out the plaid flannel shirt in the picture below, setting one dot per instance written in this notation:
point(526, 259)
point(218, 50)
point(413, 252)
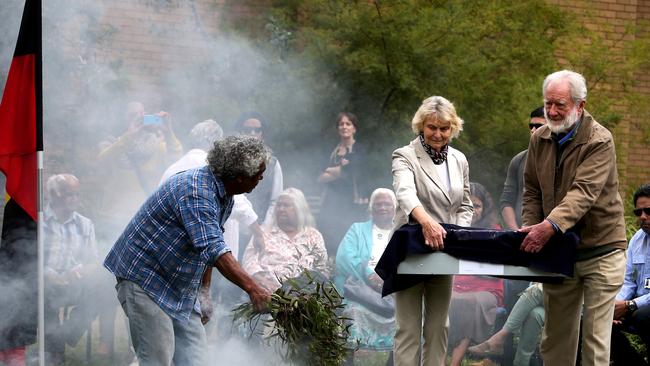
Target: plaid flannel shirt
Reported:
point(172, 238)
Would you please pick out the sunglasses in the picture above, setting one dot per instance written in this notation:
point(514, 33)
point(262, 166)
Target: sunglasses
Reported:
point(251, 129)
point(637, 211)
point(535, 125)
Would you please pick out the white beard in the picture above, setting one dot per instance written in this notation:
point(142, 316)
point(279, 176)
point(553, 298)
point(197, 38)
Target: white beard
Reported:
point(565, 124)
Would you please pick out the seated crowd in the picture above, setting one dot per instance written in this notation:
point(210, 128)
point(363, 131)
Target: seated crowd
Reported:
point(273, 232)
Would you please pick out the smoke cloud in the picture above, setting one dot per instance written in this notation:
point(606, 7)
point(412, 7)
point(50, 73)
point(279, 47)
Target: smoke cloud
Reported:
point(179, 57)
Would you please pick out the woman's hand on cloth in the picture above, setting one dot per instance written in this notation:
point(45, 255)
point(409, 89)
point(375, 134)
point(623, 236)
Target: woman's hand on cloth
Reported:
point(434, 233)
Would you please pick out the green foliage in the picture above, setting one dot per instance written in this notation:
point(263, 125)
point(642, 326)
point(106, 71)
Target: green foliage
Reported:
point(631, 221)
point(637, 343)
point(305, 317)
point(487, 57)
point(381, 59)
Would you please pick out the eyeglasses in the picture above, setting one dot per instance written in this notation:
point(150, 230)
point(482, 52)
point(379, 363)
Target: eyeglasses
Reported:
point(535, 125)
point(637, 211)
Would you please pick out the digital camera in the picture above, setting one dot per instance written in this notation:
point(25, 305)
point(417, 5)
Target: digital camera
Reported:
point(151, 119)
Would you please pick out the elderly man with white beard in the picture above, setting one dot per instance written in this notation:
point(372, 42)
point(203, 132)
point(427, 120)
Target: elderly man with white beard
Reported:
point(571, 183)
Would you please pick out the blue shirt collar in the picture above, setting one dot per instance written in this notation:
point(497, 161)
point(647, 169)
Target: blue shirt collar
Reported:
point(563, 138)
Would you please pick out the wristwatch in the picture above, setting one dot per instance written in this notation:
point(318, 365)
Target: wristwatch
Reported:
point(631, 306)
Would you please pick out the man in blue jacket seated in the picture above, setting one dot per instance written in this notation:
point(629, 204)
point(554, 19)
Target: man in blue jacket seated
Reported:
point(356, 259)
point(632, 305)
point(172, 243)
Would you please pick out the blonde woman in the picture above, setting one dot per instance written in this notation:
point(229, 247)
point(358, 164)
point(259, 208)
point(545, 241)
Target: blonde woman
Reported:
point(431, 182)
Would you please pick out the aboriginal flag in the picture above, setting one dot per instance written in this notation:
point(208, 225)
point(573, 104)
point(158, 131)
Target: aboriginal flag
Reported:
point(21, 112)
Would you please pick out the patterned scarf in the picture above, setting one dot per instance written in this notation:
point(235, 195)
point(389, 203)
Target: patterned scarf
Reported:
point(437, 157)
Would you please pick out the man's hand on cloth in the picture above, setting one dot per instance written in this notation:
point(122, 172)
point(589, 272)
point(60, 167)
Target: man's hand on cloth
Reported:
point(537, 236)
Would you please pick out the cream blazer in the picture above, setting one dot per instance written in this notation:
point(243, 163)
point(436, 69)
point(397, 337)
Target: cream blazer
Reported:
point(416, 183)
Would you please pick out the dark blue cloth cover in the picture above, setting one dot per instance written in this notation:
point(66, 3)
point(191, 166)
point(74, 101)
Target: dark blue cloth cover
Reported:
point(480, 245)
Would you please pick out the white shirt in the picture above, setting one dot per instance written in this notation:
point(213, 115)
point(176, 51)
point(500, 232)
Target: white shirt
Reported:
point(194, 158)
point(278, 183)
point(379, 242)
point(242, 211)
point(443, 173)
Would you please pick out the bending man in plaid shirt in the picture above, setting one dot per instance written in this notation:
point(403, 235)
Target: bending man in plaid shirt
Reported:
point(162, 255)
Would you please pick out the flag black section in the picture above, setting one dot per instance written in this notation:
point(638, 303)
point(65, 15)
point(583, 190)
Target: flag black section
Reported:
point(29, 38)
point(30, 41)
point(18, 278)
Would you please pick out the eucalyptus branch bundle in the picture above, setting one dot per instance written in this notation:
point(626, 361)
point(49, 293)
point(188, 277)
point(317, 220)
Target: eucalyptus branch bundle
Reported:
point(305, 315)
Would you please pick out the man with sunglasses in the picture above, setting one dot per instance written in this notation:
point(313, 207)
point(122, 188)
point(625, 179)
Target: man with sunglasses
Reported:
point(264, 196)
point(632, 305)
point(513, 187)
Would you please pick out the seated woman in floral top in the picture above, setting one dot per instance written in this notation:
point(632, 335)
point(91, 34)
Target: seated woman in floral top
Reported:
point(292, 244)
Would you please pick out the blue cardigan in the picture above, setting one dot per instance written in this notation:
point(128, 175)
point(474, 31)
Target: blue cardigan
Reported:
point(353, 254)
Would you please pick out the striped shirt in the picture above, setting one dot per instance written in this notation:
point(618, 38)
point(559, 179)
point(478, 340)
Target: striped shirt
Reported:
point(172, 238)
point(70, 244)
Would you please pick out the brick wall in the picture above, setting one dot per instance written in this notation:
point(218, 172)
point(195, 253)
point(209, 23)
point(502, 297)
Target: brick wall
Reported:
point(150, 37)
point(610, 19)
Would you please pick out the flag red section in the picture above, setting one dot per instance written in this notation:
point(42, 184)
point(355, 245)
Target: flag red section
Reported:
point(21, 121)
point(18, 131)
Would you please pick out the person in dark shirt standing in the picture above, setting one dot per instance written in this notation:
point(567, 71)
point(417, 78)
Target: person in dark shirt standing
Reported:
point(513, 187)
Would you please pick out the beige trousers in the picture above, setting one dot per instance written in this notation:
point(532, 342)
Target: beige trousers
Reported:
point(589, 293)
point(410, 329)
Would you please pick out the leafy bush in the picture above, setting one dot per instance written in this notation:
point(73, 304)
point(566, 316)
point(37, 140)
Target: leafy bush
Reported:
point(305, 315)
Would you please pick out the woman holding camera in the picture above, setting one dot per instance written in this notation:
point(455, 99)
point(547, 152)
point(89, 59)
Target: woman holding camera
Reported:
point(431, 182)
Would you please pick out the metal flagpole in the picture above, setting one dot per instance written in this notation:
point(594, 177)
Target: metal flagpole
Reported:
point(39, 184)
point(41, 263)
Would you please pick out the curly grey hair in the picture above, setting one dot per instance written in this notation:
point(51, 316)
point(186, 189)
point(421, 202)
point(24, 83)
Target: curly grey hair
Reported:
point(237, 156)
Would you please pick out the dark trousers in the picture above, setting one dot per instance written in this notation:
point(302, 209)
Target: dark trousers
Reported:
point(70, 310)
point(622, 351)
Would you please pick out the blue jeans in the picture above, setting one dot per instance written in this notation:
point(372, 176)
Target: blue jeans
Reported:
point(159, 339)
point(527, 317)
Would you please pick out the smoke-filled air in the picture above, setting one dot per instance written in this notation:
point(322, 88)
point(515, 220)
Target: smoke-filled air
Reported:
point(246, 182)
